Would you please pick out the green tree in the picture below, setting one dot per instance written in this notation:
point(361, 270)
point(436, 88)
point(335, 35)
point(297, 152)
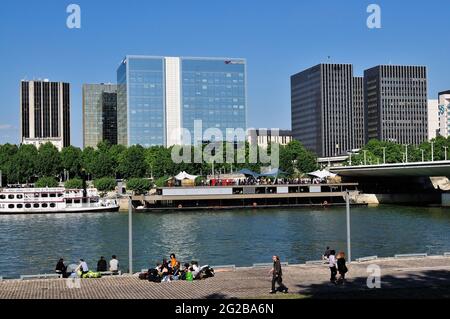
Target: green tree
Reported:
point(105, 184)
point(7, 152)
point(74, 183)
point(294, 157)
point(48, 160)
point(132, 163)
point(46, 181)
point(71, 159)
point(139, 185)
point(88, 160)
point(103, 163)
point(22, 168)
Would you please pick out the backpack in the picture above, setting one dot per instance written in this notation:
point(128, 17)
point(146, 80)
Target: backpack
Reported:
point(189, 276)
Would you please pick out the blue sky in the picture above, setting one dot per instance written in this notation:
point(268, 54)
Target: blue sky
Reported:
point(278, 39)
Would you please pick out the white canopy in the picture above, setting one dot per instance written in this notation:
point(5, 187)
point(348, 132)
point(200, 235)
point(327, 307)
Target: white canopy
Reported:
point(184, 175)
point(322, 174)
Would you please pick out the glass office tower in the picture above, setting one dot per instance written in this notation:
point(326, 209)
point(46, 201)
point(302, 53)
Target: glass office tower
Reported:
point(158, 96)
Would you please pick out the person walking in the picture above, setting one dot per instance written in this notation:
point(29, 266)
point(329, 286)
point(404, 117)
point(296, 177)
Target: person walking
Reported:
point(101, 264)
point(341, 267)
point(332, 265)
point(277, 276)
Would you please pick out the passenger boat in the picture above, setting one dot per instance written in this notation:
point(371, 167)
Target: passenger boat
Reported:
point(53, 200)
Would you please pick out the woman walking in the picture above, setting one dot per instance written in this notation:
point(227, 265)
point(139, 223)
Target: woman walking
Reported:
point(341, 267)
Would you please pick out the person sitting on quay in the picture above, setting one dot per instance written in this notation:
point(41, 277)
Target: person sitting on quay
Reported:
point(101, 265)
point(82, 268)
point(326, 254)
point(61, 268)
point(173, 260)
point(114, 265)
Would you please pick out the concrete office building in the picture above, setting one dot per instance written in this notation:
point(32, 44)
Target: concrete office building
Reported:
point(358, 109)
point(158, 96)
point(444, 113)
point(325, 111)
point(45, 113)
point(264, 137)
point(99, 114)
point(395, 102)
point(433, 119)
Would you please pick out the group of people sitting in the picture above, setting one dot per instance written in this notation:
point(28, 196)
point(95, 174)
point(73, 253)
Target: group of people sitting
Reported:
point(171, 270)
point(82, 269)
point(337, 265)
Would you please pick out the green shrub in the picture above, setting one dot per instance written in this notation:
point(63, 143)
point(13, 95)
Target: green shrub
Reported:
point(75, 183)
point(162, 181)
point(46, 182)
point(105, 184)
point(139, 185)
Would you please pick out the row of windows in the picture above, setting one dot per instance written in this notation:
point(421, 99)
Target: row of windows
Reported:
point(36, 205)
point(36, 195)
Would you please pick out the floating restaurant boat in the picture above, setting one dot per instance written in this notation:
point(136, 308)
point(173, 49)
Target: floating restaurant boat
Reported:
point(53, 200)
point(245, 196)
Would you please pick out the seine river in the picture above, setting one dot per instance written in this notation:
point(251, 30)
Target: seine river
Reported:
point(32, 244)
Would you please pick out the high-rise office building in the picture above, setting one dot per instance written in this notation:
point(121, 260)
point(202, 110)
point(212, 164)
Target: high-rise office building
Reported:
point(444, 113)
point(323, 110)
point(158, 96)
point(264, 137)
point(395, 102)
point(45, 113)
point(358, 109)
point(99, 114)
point(433, 119)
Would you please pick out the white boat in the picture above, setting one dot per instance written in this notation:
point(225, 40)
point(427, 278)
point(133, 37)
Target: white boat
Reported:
point(53, 200)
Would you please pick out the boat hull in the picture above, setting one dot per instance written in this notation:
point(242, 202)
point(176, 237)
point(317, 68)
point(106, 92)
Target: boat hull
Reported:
point(74, 210)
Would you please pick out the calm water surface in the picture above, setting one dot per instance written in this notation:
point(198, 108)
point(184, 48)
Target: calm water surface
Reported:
point(32, 244)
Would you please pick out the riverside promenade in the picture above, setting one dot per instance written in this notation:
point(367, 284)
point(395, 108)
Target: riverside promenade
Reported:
point(427, 277)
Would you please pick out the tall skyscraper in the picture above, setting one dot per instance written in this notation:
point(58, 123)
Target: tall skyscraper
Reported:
point(324, 110)
point(157, 96)
point(358, 109)
point(99, 114)
point(433, 119)
point(395, 102)
point(45, 113)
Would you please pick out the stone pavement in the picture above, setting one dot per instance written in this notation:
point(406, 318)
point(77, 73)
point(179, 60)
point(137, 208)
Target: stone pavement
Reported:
point(405, 278)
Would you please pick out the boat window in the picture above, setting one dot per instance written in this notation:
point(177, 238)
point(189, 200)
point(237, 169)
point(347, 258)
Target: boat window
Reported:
point(11, 206)
point(27, 205)
point(52, 205)
point(36, 205)
point(44, 205)
point(20, 196)
point(2, 196)
point(10, 196)
point(60, 195)
point(53, 195)
point(76, 201)
point(44, 195)
point(19, 206)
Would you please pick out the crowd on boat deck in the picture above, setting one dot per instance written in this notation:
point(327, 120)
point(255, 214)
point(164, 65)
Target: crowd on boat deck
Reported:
point(262, 181)
point(171, 270)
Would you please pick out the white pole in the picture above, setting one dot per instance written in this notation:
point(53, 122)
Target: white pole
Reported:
point(365, 163)
point(432, 151)
point(384, 155)
point(423, 158)
point(349, 251)
point(406, 153)
point(130, 235)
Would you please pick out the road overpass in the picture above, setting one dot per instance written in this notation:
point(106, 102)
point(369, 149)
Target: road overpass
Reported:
point(416, 169)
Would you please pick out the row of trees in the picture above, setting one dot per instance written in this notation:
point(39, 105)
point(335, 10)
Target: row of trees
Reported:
point(27, 164)
point(376, 152)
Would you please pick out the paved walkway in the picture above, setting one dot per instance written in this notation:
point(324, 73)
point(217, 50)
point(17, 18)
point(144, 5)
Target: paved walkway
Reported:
point(408, 278)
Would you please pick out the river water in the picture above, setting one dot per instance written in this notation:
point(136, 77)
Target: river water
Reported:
point(32, 244)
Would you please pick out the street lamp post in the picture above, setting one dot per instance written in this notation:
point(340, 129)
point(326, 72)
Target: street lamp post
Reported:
point(423, 157)
point(350, 157)
point(432, 151)
point(406, 153)
point(365, 158)
point(130, 235)
point(384, 155)
point(445, 154)
point(349, 250)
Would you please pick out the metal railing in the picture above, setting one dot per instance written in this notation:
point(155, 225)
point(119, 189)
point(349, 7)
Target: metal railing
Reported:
point(40, 276)
point(368, 258)
point(264, 265)
point(410, 255)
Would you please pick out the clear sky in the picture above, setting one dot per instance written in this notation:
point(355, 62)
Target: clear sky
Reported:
point(278, 39)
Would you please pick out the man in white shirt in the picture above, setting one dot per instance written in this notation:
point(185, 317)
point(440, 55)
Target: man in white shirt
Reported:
point(114, 264)
point(332, 265)
point(83, 267)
